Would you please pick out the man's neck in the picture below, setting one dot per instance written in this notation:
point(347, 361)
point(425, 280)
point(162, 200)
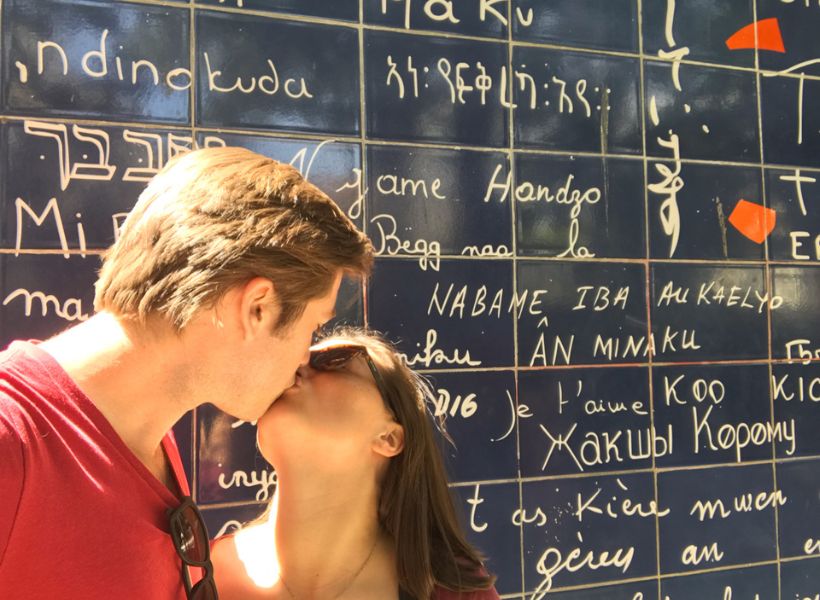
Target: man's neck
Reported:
point(139, 385)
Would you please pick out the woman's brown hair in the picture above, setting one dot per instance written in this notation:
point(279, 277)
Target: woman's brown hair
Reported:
point(415, 507)
point(218, 217)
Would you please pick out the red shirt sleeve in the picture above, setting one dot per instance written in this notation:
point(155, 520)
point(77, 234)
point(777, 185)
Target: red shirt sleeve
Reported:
point(12, 474)
point(169, 444)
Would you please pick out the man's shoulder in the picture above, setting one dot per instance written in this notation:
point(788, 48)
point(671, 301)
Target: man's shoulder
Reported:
point(11, 435)
point(13, 416)
point(12, 388)
point(11, 354)
point(26, 390)
point(17, 360)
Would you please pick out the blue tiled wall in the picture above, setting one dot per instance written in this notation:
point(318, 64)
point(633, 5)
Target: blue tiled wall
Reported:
point(631, 375)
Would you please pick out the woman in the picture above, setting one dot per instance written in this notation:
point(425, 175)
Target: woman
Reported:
point(362, 494)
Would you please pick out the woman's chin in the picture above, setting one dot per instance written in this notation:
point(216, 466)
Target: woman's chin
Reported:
point(293, 388)
point(282, 398)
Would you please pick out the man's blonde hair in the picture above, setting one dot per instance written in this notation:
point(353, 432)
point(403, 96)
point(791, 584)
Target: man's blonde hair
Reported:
point(218, 217)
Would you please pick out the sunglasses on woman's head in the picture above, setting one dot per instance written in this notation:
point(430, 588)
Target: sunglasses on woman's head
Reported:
point(190, 538)
point(336, 356)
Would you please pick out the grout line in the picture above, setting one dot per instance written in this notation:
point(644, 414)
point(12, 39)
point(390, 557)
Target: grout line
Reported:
point(362, 143)
point(444, 145)
point(648, 288)
point(617, 582)
point(534, 479)
point(790, 559)
point(272, 14)
point(511, 163)
point(769, 289)
point(552, 368)
point(705, 263)
point(546, 45)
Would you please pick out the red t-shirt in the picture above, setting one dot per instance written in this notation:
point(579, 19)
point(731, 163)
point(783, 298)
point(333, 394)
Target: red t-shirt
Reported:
point(80, 516)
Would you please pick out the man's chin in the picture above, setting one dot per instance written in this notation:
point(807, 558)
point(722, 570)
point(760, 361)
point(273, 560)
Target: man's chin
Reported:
point(276, 399)
point(287, 391)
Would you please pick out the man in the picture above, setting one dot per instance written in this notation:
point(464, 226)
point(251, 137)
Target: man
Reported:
point(224, 269)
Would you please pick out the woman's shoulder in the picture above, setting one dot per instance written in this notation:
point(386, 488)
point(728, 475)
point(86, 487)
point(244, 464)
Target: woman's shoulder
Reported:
point(443, 594)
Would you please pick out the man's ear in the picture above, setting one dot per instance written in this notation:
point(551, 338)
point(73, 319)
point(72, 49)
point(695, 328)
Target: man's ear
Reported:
point(259, 308)
point(390, 441)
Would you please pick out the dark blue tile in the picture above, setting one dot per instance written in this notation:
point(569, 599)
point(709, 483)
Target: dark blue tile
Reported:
point(694, 222)
point(585, 314)
point(796, 393)
point(646, 590)
point(758, 583)
point(700, 26)
point(798, 21)
point(586, 421)
point(709, 313)
point(720, 414)
point(60, 173)
point(458, 316)
point(484, 511)
point(311, 83)
point(93, 60)
point(578, 206)
point(714, 117)
point(790, 193)
point(223, 521)
point(435, 89)
point(349, 305)
point(337, 9)
point(599, 24)
point(791, 129)
point(479, 415)
point(795, 324)
point(797, 519)
point(431, 202)
point(576, 101)
point(466, 17)
point(229, 467)
point(569, 530)
point(44, 294)
point(717, 517)
point(334, 167)
point(800, 579)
